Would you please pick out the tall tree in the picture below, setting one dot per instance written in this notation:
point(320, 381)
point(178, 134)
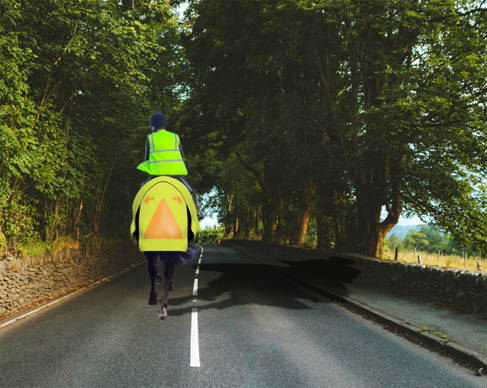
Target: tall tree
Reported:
point(79, 80)
point(376, 105)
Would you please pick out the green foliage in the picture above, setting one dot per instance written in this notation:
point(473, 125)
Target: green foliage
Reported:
point(210, 236)
point(310, 240)
point(431, 240)
point(392, 242)
point(34, 248)
point(416, 240)
point(341, 109)
point(76, 90)
point(308, 118)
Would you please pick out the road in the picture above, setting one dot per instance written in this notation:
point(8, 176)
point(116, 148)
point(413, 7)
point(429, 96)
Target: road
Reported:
point(255, 330)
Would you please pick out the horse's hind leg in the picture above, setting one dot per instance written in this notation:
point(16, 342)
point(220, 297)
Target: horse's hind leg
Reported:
point(152, 270)
point(168, 274)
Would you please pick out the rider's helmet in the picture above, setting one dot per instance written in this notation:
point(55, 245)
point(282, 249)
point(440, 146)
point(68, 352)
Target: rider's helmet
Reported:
point(158, 120)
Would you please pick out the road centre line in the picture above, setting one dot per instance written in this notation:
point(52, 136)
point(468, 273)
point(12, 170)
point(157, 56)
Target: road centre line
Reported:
point(195, 287)
point(195, 347)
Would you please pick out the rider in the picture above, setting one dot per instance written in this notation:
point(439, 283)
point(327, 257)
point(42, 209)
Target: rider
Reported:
point(164, 155)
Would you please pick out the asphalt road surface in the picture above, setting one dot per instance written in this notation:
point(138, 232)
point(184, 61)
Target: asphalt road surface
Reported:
point(255, 329)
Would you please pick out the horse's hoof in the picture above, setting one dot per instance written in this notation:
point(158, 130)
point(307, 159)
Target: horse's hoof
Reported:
point(163, 313)
point(153, 299)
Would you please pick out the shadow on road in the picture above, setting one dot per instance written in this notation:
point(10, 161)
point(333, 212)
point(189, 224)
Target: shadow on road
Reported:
point(332, 273)
point(236, 284)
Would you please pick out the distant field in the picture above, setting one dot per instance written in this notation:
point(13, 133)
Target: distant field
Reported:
point(402, 230)
point(443, 261)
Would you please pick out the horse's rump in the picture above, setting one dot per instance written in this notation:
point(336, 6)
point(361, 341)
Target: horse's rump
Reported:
point(163, 216)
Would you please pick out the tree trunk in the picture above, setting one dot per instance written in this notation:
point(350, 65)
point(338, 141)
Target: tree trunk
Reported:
point(376, 243)
point(236, 228)
point(302, 226)
point(247, 224)
point(269, 220)
point(228, 230)
point(304, 213)
point(256, 220)
point(369, 209)
point(100, 198)
point(325, 232)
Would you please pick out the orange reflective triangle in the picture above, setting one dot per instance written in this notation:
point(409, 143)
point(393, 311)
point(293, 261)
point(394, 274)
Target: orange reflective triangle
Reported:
point(163, 224)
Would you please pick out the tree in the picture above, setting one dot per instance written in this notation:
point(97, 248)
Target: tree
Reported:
point(392, 242)
point(416, 240)
point(391, 98)
point(78, 82)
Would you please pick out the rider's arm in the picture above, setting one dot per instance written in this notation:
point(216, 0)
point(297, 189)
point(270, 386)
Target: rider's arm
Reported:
point(181, 150)
point(147, 149)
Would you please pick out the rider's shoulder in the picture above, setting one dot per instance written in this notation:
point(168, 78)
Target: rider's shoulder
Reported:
point(165, 131)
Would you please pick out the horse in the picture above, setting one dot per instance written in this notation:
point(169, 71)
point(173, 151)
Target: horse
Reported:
point(164, 225)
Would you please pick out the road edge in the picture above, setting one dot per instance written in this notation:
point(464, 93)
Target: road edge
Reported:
point(56, 300)
point(450, 348)
point(459, 353)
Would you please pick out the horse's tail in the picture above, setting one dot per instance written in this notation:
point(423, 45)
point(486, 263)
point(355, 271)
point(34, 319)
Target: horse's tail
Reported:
point(163, 216)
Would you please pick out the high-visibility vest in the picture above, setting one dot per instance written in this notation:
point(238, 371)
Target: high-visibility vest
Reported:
point(164, 155)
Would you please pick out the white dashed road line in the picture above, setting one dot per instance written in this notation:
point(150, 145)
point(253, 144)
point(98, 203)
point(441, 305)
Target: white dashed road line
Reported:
point(195, 288)
point(195, 346)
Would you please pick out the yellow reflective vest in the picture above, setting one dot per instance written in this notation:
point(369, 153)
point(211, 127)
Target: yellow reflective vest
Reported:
point(164, 155)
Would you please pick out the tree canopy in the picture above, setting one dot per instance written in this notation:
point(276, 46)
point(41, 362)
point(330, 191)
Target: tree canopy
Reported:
point(339, 114)
point(342, 111)
point(78, 80)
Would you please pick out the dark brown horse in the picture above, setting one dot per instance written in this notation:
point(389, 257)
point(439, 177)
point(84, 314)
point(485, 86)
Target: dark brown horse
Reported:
point(170, 260)
point(164, 224)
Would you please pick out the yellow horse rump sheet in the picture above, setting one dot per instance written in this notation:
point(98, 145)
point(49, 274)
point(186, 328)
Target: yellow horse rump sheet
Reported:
point(163, 204)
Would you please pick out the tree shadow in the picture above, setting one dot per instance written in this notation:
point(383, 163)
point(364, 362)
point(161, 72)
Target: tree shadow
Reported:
point(332, 273)
point(264, 284)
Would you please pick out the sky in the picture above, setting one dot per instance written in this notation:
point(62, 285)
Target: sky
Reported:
point(180, 10)
point(410, 221)
point(211, 221)
point(208, 222)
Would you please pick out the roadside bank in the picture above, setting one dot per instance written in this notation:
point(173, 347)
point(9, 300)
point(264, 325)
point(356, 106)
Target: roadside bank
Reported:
point(391, 293)
point(30, 282)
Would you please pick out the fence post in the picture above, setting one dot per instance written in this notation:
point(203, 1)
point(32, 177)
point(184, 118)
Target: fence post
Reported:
point(419, 259)
point(479, 266)
point(396, 253)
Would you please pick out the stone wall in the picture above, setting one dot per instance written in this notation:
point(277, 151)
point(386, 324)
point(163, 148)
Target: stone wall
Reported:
point(31, 281)
point(458, 289)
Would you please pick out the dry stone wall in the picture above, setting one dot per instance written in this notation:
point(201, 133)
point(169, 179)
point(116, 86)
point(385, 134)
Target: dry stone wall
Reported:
point(461, 290)
point(29, 282)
